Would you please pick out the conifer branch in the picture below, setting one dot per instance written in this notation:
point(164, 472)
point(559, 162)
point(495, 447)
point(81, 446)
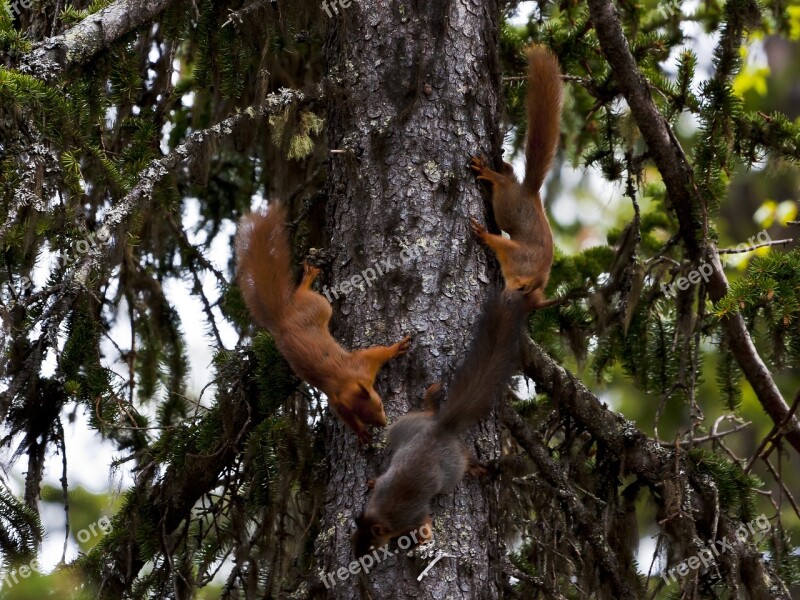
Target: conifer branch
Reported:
point(714, 436)
point(685, 199)
point(159, 168)
point(645, 458)
point(172, 498)
point(64, 294)
point(77, 281)
point(52, 57)
point(775, 433)
point(237, 17)
point(566, 496)
point(756, 246)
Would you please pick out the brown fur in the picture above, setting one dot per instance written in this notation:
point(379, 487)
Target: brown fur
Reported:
point(298, 317)
point(428, 455)
point(526, 258)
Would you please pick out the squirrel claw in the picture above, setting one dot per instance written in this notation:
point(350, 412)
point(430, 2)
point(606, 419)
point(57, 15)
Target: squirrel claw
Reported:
point(404, 345)
point(480, 167)
point(476, 227)
point(477, 163)
point(310, 270)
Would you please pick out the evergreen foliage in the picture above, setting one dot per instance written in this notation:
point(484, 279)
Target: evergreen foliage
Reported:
point(228, 486)
point(20, 530)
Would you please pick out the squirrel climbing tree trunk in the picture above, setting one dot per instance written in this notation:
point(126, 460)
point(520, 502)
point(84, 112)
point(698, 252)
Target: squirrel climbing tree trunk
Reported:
point(412, 94)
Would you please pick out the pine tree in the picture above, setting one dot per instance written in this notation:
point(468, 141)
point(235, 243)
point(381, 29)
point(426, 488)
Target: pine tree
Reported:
point(134, 134)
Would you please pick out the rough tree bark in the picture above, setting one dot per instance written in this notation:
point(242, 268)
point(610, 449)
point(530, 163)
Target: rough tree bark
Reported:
point(410, 101)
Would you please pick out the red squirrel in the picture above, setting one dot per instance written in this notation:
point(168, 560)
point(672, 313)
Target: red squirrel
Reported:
point(298, 317)
point(428, 455)
point(526, 258)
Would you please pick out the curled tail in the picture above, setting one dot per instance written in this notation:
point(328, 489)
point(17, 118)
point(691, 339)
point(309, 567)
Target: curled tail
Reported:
point(492, 359)
point(543, 106)
point(263, 265)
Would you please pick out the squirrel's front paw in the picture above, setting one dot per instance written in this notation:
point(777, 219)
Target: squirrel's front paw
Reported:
point(310, 270)
point(478, 164)
point(476, 227)
point(404, 345)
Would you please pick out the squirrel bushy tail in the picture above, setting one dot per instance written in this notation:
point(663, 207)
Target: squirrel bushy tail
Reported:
point(527, 256)
point(264, 268)
point(543, 107)
point(493, 357)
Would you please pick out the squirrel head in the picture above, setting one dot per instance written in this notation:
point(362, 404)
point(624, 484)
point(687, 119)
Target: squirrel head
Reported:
point(369, 534)
point(365, 402)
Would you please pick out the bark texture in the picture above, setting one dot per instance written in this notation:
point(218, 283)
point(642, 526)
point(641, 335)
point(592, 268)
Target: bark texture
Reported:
point(413, 94)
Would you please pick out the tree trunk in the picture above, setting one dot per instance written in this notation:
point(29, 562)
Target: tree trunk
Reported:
point(413, 93)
